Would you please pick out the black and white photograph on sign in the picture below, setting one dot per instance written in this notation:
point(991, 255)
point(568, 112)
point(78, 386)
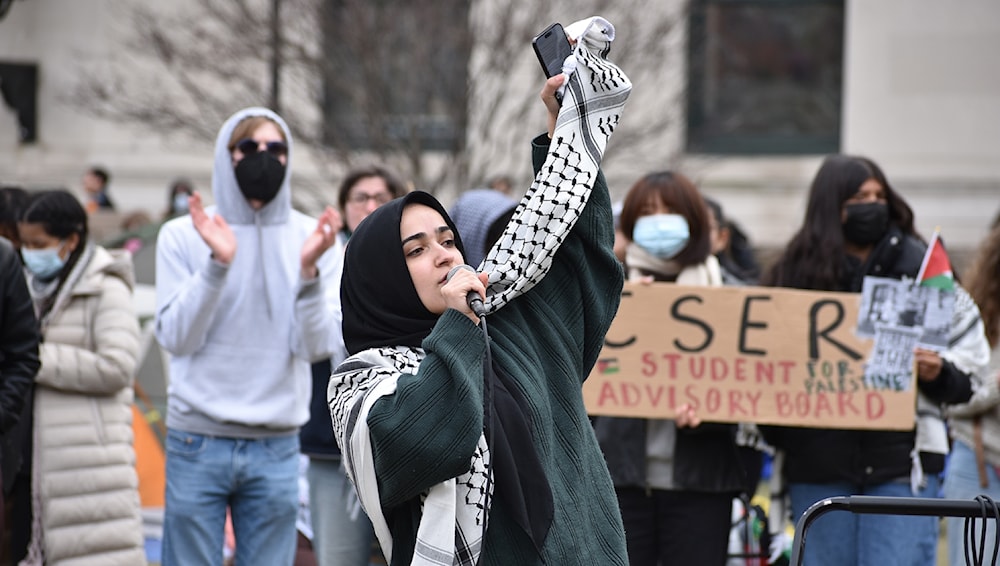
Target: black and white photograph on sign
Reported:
point(904, 303)
point(890, 367)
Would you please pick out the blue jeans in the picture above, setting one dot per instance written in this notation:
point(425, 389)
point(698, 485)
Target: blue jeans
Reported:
point(256, 478)
point(962, 482)
point(342, 533)
point(842, 537)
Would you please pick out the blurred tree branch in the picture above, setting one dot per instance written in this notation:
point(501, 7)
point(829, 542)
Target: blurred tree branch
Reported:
point(387, 67)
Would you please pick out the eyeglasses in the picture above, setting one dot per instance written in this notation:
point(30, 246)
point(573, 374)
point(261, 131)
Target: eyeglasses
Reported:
point(363, 198)
point(250, 147)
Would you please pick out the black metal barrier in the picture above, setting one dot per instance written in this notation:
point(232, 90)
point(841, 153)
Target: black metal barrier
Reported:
point(869, 505)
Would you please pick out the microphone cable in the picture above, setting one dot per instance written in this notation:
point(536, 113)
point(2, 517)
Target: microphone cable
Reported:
point(488, 420)
point(476, 305)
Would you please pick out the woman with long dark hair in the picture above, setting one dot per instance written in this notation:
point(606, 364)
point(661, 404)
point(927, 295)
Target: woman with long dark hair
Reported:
point(855, 226)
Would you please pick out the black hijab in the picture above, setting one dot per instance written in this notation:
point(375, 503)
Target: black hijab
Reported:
point(380, 304)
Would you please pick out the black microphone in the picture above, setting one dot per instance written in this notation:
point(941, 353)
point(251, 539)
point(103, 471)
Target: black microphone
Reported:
point(473, 298)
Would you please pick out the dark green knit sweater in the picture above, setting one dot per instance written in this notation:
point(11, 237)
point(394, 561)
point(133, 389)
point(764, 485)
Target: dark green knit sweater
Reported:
point(547, 340)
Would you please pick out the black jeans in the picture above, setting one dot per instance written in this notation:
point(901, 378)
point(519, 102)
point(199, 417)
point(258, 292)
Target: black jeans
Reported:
point(664, 528)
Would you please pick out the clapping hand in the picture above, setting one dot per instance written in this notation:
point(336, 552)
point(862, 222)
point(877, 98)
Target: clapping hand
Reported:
point(319, 241)
point(213, 230)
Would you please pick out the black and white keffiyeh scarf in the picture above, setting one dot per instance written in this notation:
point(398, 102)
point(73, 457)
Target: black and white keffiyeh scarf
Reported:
point(593, 100)
point(453, 512)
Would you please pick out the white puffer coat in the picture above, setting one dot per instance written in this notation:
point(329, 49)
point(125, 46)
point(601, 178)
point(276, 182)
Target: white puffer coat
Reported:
point(85, 488)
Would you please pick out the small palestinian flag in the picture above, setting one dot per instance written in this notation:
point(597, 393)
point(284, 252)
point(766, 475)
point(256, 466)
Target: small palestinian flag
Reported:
point(935, 271)
point(607, 365)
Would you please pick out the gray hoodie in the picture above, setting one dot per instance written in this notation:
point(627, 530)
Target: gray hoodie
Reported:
point(241, 337)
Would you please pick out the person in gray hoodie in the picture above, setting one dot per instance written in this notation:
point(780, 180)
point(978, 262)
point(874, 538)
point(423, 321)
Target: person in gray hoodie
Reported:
point(246, 299)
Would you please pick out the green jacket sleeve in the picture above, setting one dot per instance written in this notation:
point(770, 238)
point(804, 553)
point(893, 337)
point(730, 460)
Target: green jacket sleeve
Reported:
point(427, 431)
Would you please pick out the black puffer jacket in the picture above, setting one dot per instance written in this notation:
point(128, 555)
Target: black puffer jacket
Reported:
point(866, 456)
point(18, 354)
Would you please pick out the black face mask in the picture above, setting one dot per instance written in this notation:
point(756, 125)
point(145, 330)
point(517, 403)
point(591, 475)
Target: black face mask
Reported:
point(866, 223)
point(259, 176)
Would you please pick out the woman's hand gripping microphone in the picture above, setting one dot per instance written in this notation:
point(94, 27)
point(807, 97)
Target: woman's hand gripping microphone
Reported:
point(474, 297)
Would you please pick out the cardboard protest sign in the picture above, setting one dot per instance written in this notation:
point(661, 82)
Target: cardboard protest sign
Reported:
point(765, 355)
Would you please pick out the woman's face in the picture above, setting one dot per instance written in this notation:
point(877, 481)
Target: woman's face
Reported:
point(364, 197)
point(34, 237)
point(430, 251)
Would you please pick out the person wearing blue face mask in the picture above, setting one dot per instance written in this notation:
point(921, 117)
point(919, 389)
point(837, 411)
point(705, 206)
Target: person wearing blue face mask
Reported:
point(46, 263)
point(662, 235)
point(668, 226)
point(177, 199)
point(87, 508)
point(675, 478)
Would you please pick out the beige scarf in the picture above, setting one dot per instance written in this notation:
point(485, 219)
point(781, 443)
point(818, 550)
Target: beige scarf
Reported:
point(705, 274)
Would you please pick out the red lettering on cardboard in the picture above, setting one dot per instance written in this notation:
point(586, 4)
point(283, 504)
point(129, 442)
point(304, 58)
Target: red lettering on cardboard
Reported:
point(696, 365)
point(875, 405)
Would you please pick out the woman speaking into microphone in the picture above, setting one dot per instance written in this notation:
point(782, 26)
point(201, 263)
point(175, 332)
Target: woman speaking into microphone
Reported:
point(452, 467)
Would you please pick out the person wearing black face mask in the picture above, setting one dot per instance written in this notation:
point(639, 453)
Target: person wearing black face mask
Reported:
point(246, 299)
point(856, 225)
point(865, 222)
point(261, 169)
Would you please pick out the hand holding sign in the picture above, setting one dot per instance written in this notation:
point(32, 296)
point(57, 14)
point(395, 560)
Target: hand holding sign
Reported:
point(687, 416)
point(928, 364)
